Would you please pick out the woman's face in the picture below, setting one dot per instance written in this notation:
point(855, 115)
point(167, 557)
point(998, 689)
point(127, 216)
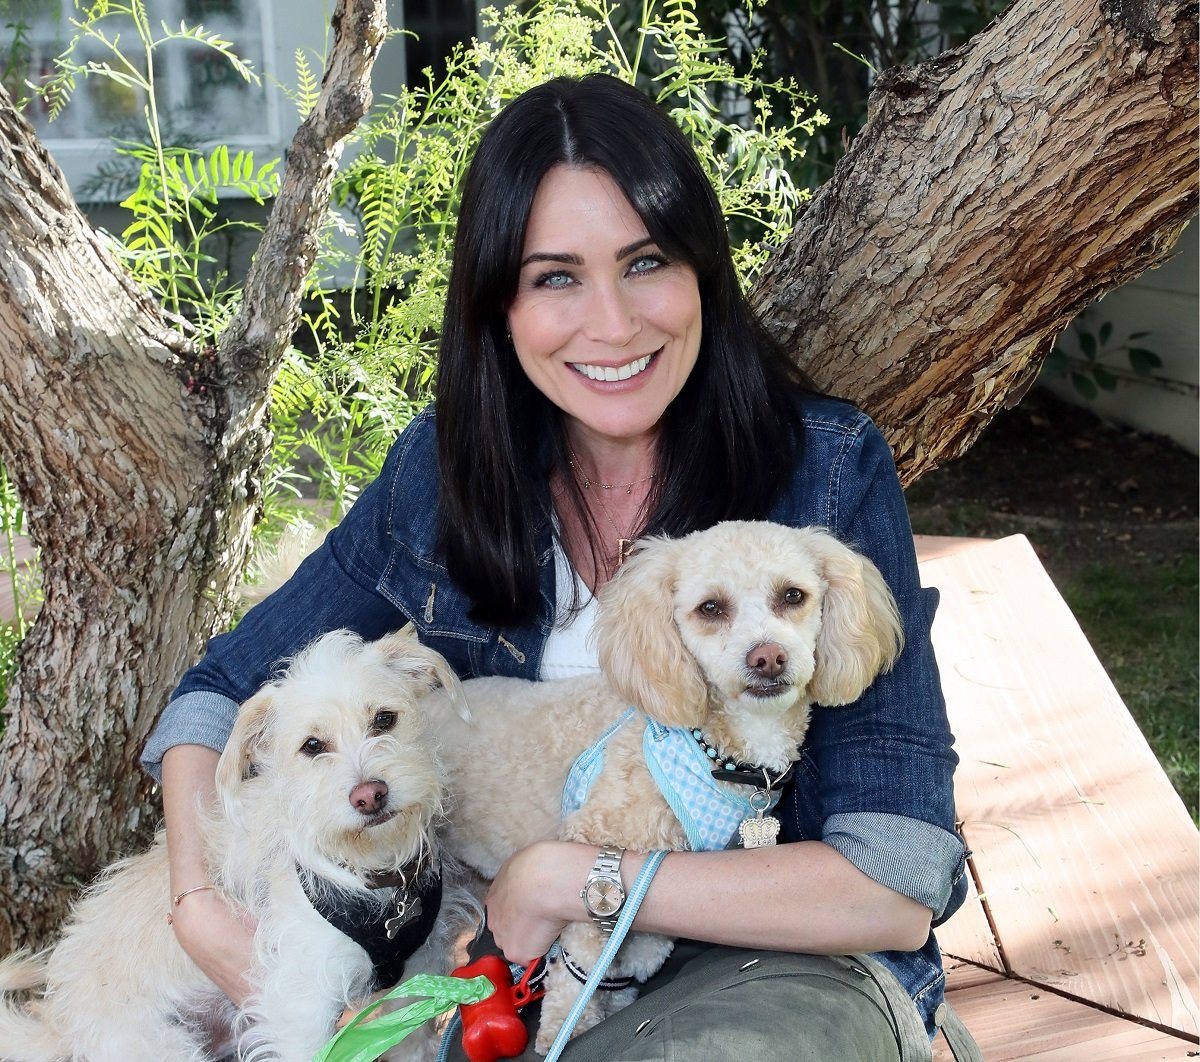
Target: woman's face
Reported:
point(604, 324)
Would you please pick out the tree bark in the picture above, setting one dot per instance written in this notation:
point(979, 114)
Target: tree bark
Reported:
point(137, 458)
point(994, 192)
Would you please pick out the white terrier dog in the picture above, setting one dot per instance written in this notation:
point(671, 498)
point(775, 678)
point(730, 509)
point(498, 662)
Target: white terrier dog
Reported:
point(721, 641)
point(330, 787)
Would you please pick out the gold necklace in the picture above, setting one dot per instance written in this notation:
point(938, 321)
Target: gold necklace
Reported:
point(585, 481)
point(625, 540)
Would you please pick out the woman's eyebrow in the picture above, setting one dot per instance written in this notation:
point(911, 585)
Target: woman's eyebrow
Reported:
point(549, 256)
point(630, 248)
point(577, 260)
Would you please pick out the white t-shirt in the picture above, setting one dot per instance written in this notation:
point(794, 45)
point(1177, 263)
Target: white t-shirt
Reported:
point(569, 652)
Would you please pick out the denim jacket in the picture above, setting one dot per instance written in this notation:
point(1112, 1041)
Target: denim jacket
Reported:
point(875, 778)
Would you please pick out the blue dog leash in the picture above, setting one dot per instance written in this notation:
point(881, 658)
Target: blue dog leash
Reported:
point(632, 902)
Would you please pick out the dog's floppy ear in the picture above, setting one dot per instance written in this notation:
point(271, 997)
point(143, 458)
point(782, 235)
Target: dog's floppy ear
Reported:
point(414, 661)
point(861, 634)
point(638, 641)
point(249, 733)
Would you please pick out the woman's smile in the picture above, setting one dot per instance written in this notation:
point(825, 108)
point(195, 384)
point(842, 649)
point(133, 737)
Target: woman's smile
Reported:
point(611, 374)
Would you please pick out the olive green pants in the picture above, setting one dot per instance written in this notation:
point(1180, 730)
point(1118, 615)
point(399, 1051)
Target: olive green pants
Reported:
point(718, 1004)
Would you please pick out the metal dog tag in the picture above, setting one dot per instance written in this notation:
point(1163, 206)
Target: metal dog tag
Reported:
point(760, 831)
point(405, 913)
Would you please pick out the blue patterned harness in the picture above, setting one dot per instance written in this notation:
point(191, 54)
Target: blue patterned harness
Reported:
point(709, 813)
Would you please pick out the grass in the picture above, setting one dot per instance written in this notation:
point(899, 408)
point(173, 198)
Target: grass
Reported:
point(1150, 653)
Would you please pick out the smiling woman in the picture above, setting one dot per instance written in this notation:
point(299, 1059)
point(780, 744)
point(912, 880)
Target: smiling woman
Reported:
point(608, 329)
point(601, 378)
point(592, 287)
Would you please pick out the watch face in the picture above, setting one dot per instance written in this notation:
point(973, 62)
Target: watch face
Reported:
point(604, 897)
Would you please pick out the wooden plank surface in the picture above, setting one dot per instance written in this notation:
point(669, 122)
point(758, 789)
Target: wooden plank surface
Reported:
point(1011, 1020)
point(1087, 861)
point(969, 934)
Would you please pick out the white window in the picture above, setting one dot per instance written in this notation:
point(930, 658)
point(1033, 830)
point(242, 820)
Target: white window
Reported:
point(201, 97)
point(203, 101)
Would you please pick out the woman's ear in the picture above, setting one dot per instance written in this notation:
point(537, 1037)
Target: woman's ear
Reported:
point(248, 735)
point(861, 634)
point(638, 641)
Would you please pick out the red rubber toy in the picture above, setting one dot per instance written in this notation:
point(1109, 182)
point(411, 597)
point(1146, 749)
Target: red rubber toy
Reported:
point(492, 1028)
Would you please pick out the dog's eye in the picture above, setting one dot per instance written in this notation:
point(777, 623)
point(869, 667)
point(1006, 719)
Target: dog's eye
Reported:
point(383, 722)
point(793, 595)
point(313, 746)
point(711, 609)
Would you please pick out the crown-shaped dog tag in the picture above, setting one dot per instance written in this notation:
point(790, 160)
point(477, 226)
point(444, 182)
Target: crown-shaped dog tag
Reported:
point(760, 831)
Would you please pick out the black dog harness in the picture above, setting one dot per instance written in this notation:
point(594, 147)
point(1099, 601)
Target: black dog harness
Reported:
point(389, 928)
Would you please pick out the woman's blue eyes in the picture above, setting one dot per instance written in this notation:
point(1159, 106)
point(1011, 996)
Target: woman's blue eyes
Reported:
point(559, 278)
point(647, 263)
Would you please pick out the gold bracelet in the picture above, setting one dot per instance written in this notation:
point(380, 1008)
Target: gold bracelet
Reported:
point(177, 899)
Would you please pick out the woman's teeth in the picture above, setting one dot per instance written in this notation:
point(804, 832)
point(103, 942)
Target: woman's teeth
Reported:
point(609, 373)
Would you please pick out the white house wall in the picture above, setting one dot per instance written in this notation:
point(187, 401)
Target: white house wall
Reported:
point(1164, 303)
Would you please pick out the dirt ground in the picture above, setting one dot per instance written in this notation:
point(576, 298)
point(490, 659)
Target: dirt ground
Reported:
point(1080, 488)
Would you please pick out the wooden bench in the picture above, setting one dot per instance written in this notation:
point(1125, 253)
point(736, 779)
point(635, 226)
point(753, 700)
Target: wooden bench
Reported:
point(1079, 939)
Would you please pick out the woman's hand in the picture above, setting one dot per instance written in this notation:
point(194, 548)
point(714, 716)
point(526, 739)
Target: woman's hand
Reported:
point(534, 894)
point(218, 940)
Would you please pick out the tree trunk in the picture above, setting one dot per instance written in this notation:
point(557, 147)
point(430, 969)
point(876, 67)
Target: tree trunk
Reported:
point(994, 192)
point(137, 458)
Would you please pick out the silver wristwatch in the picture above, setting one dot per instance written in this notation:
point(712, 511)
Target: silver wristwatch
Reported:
point(603, 894)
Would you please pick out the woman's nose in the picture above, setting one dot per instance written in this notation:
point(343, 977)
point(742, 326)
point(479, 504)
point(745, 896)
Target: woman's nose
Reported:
point(612, 316)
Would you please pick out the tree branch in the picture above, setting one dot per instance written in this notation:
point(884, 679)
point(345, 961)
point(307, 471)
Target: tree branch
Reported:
point(994, 192)
point(251, 346)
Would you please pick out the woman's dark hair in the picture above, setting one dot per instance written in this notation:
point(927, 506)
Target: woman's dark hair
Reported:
point(728, 437)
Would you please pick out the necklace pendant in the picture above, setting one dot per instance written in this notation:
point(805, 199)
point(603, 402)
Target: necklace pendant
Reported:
point(624, 548)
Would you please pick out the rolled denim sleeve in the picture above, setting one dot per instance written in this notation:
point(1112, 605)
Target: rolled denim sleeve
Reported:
point(880, 771)
point(907, 855)
point(196, 718)
point(336, 587)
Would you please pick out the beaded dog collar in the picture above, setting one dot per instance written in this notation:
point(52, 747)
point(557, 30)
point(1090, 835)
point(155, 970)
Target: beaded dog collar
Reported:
point(727, 769)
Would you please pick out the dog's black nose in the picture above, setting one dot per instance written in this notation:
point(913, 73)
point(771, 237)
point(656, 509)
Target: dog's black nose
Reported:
point(767, 659)
point(369, 798)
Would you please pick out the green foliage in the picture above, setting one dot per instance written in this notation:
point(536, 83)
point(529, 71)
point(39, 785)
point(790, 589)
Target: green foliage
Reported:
point(134, 69)
point(20, 577)
point(1093, 361)
point(835, 48)
point(175, 204)
point(18, 58)
point(176, 216)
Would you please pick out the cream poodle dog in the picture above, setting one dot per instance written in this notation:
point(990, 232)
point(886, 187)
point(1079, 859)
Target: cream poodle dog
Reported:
point(330, 788)
point(713, 648)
